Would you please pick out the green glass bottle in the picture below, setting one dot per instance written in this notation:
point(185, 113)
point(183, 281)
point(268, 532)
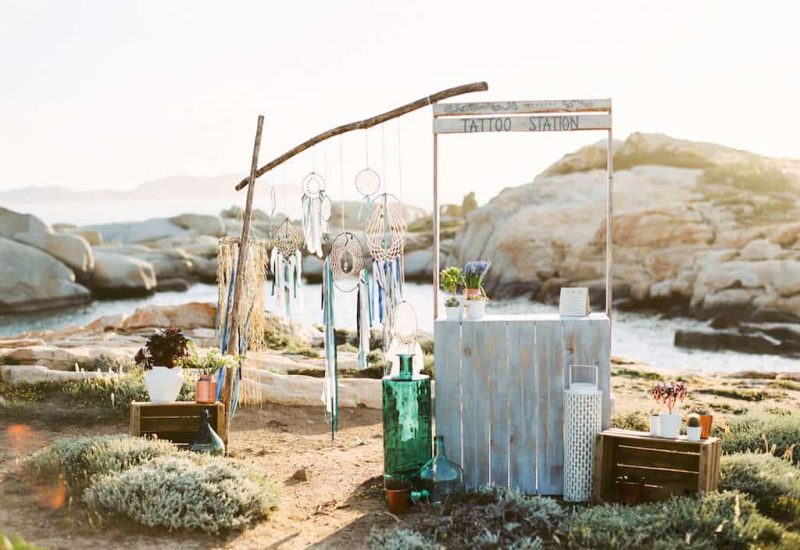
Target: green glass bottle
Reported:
point(441, 477)
point(406, 424)
point(207, 440)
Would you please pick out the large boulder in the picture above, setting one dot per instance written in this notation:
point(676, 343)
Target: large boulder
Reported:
point(137, 232)
point(119, 276)
point(184, 316)
point(168, 263)
point(73, 250)
point(31, 280)
point(202, 224)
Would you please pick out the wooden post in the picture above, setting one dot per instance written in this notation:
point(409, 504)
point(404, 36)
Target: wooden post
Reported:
point(238, 292)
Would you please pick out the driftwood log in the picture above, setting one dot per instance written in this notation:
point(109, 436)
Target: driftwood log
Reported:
point(363, 125)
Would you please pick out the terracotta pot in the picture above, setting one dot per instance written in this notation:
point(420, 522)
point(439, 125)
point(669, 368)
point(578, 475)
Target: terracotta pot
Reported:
point(205, 390)
point(471, 292)
point(705, 425)
point(398, 500)
point(630, 493)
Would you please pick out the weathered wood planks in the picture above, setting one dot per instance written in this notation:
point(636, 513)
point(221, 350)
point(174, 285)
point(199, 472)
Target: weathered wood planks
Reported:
point(533, 123)
point(499, 394)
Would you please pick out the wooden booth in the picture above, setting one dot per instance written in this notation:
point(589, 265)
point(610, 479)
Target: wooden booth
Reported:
point(500, 380)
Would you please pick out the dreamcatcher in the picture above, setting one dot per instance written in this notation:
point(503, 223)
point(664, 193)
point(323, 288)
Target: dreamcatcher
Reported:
point(316, 212)
point(368, 182)
point(344, 270)
point(386, 235)
point(286, 263)
point(404, 339)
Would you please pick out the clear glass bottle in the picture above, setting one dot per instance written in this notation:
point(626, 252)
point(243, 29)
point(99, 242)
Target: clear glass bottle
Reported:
point(207, 440)
point(441, 477)
point(407, 434)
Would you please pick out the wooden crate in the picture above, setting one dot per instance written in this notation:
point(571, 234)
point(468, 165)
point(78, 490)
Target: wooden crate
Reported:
point(668, 466)
point(177, 422)
point(500, 394)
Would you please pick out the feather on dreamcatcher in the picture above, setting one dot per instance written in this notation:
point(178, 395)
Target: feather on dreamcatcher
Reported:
point(286, 264)
point(316, 212)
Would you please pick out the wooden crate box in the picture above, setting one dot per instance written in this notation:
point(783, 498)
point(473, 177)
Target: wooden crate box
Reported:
point(668, 466)
point(176, 422)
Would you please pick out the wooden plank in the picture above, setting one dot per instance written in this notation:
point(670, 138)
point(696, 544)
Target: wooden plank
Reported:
point(172, 409)
point(705, 461)
point(136, 429)
point(673, 479)
point(522, 107)
point(550, 418)
point(533, 123)
point(221, 427)
point(647, 440)
point(607, 473)
point(183, 437)
point(493, 353)
point(475, 409)
point(522, 405)
point(600, 334)
point(599, 462)
point(171, 424)
point(448, 400)
point(638, 456)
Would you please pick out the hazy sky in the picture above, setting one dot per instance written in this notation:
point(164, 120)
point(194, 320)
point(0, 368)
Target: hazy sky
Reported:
point(112, 93)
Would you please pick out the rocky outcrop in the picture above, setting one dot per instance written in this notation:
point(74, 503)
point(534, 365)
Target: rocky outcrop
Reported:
point(185, 316)
point(31, 280)
point(116, 276)
point(697, 226)
point(138, 232)
point(201, 224)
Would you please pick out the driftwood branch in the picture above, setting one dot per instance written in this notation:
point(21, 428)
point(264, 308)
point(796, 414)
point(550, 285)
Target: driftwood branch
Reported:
point(364, 124)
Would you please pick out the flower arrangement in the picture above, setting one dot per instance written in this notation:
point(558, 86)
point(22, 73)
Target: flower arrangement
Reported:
point(474, 272)
point(450, 279)
point(165, 348)
point(669, 393)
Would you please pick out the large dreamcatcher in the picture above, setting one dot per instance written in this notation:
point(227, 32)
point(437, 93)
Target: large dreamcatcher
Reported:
point(386, 237)
point(316, 212)
point(286, 264)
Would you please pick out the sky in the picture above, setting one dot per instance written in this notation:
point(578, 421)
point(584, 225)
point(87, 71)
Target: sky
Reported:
point(109, 94)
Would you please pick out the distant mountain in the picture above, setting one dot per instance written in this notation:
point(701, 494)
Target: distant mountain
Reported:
point(163, 188)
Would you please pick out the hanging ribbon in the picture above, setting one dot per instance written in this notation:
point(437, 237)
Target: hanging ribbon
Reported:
point(330, 390)
point(287, 278)
point(363, 318)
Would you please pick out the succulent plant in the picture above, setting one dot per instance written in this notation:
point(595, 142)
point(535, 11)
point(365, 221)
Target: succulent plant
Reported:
point(693, 420)
point(164, 348)
point(669, 393)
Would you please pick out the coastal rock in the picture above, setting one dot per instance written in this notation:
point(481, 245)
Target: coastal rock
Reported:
point(202, 224)
point(62, 357)
point(167, 263)
point(35, 280)
point(116, 275)
point(185, 316)
point(34, 374)
point(419, 265)
point(107, 323)
point(312, 269)
point(138, 232)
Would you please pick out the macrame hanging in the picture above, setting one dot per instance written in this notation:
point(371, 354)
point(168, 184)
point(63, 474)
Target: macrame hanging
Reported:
point(386, 234)
point(286, 264)
point(404, 339)
point(316, 212)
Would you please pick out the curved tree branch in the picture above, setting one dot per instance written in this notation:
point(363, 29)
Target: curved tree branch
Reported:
point(366, 123)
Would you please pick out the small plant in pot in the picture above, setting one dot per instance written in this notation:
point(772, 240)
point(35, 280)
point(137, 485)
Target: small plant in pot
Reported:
point(451, 279)
point(209, 365)
point(693, 427)
point(474, 294)
point(668, 394)
point(706, 421)
point(161, 360)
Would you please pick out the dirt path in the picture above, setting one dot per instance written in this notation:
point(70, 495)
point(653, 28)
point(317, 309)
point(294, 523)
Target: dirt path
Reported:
point(335, 508)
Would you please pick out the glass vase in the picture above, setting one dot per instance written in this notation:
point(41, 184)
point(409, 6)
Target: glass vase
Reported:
point(407, 434)
point(207, 440)
point(441, 477)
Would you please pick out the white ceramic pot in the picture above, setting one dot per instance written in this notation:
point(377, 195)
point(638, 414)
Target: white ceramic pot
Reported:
point(655, 425)
point(477, 309)
point(670, 425)
point(163, 384)
point(453, 313)
point(693, 434)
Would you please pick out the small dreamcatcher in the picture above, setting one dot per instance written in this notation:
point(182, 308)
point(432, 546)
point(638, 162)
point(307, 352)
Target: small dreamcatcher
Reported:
point(386, 236)
point(403, 331)
point(368, 183)
point(286, 263)
point(316, 212)
point(347, 261)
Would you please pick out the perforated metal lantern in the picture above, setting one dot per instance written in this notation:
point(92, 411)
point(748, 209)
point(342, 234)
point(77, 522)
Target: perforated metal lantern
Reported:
point(583, 411)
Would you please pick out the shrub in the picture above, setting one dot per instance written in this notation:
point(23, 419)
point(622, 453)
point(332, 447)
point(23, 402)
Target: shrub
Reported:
point(752, 175)
point(634, 420)
point(777, 434)
point(15, 543)
point(772, 483)
point(714, 520)
point(80, 460)
point(211, 494)
point(398, 539)
point(427, 346)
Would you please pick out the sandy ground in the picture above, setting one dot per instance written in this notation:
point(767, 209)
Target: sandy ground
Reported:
point(336, 508)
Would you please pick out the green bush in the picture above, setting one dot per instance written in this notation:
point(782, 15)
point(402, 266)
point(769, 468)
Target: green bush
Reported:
point(777, 434)
point(82, 459)
point(634, 420)
point(398, 539)
point(714, 520)
point(772, 483)
point(427, 346)
point(15, 543)
point(186, 492)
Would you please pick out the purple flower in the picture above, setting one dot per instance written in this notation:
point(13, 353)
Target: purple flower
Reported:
point(474, 272)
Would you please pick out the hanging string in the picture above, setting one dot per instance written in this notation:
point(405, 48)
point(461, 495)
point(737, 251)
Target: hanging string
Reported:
point(366, 146)
point(341, 177)
point(383, 154)
point(400, 192)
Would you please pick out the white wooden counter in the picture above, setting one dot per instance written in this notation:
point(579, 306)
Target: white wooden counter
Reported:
point(499, 393)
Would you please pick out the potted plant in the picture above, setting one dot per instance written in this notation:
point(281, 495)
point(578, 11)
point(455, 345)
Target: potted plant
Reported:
point(161, 360)
point(209, 364)
point(668, 394)
point(655, 423)
point(706, 420)
point(451, 279)
point(693, 427)
point(474, 294)
point(630, 489)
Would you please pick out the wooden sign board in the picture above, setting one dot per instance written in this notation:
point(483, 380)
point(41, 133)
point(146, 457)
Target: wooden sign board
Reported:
point(522, 107)
point(534, 123)
point(574, 302)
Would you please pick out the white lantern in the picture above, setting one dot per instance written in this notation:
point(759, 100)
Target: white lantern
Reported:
point(583, 410)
